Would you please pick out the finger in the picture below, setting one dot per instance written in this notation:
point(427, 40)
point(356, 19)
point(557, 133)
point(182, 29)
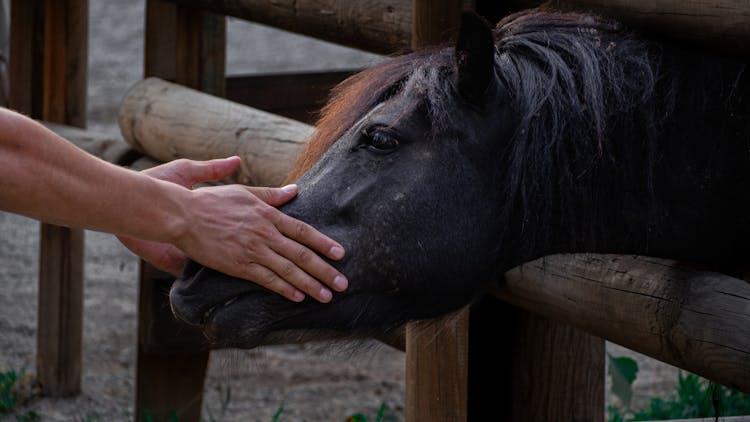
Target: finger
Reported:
point(307, 235)
point(292, 274)
point(162, 256)
point(274, 196)
point(312, 266)
point(270, 280)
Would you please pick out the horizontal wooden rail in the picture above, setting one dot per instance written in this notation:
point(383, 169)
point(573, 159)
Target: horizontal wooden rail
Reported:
point(719, 24)
point(168, 121)
point(696, 320)
point(382, 26)
point(385, 26)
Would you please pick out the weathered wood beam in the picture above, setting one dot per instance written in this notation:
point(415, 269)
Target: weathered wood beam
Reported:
point(48, 64)
point(384, 26)
point(381, 26)
point(719, 24)
point(696, 320)
point(168, 121)
point(187, 46)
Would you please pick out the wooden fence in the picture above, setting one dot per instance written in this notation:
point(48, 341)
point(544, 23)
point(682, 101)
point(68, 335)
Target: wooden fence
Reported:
point(494, 360)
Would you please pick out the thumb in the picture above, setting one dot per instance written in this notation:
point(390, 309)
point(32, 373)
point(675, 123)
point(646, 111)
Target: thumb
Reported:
point(207, 171)
point(274, 196)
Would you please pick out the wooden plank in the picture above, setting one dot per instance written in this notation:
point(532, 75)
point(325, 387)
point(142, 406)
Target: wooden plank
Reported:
point(159, 53)
point(188, 47)
point(201, 50)
point(436, 351)
point(381, 26)
point(171, 361)
point(168, 121)
point(437, 368)
point(696, 320)
point(557, 372)
point(59, 337)
point(719, 24)
point(25, 61)
point(297, 96)
point(48, 65)
point(434, 21)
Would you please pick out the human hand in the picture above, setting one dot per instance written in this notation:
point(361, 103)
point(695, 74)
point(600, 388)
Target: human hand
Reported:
point(185, 173)
point(236, 230)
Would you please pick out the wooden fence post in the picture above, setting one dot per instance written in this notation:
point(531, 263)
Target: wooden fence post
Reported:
point(524, 367)
point(186, 46)
point(48, 66)
point(437, 350)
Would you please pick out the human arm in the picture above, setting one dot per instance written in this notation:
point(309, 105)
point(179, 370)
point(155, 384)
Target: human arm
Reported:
point(228, 228)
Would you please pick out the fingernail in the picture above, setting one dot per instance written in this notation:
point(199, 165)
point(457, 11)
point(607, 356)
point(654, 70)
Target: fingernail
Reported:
point(340, 283)
point(325, 295)
point(298, 296)
point(289, 188)
point(337, 252)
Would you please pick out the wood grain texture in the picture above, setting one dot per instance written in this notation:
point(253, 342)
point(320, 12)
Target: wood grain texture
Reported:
point(696, 320)
point(188, 47)
point(434, 22)
point(437, 368)
point(557, 372)
point(168, 121)
point(25, 57)
point(718, 24)
point(382, 26)
point(48, 65)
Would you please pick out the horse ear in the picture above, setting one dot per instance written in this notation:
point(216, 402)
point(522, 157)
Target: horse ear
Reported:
point(475, 57)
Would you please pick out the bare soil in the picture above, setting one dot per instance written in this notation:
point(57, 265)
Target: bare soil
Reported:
point(313, 382)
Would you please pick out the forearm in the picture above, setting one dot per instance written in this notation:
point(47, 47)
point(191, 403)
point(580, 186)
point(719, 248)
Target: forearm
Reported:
point(45, 177)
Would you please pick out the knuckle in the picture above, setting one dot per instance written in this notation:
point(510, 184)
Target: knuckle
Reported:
point(269, 278)
point(304, 255)
point(287, 270)
point(301, 230)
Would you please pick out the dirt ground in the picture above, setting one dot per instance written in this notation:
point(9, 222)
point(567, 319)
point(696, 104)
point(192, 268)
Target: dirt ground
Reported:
point(314, 383)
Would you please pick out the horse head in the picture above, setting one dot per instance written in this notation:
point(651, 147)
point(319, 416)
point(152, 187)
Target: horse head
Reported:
point(401, 172)
point(440, 169)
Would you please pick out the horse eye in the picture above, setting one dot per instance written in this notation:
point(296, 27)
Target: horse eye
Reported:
point(382, 141)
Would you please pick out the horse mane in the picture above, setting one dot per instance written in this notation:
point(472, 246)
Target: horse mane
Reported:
point(574, 81)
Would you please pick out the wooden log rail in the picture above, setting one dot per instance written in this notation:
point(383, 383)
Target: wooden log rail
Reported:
point(695, 320)
point(385, 26)
point(169, 121)
point(718, 24)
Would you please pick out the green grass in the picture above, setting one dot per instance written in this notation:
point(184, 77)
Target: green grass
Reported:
point(16, 389)
point(693, 397)
point(384, 415)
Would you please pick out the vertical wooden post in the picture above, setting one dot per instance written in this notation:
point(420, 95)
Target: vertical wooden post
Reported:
point(437, 350)
point(48, 66)
point(524, 367)
point(186, 46)
point(437, 368)
point(558, 372)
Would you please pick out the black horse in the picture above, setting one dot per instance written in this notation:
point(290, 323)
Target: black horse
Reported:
point(441, 169)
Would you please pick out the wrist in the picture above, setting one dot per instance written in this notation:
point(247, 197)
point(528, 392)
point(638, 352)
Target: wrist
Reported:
point(173, 215)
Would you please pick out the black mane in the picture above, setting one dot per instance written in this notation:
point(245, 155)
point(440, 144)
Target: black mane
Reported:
point(591, 98)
